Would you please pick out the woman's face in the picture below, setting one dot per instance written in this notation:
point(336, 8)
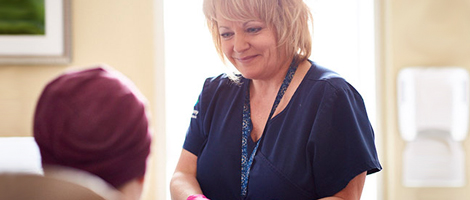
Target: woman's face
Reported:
point(251, 47)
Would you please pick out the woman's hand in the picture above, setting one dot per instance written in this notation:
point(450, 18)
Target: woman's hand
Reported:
point(184, 183)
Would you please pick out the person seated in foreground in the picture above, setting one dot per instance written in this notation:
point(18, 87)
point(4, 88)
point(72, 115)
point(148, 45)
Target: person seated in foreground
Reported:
point(91, 127)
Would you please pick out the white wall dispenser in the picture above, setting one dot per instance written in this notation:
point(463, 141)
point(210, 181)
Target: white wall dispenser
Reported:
point(433, 116)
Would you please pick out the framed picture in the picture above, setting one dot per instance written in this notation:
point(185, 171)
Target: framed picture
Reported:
point(35, 32)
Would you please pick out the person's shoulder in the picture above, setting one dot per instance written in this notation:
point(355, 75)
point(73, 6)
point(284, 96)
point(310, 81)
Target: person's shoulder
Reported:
point(223, 81)
point(220, 90)
point(325, 76)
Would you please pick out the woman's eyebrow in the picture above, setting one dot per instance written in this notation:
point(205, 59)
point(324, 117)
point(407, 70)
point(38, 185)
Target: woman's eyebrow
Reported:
point(244, 24)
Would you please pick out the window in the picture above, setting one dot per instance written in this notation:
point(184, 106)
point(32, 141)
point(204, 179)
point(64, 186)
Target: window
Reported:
point(343, 40)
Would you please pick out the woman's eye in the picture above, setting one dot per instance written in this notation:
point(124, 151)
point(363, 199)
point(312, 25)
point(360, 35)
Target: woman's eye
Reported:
point(253, 30)
point(226, 35)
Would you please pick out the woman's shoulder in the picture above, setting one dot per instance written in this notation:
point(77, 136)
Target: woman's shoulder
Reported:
point(324, 81)
point(224, 81)
point(222, 87)
point(324, 76)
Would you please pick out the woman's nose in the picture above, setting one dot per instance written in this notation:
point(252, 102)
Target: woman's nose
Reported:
point(240, 43)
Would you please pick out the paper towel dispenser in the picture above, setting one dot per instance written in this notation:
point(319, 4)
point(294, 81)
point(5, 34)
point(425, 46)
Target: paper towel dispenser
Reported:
point(433, 116)
point(433, 98)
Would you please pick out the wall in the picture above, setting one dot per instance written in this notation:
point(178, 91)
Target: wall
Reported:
point(418, 33)
point(119, 33)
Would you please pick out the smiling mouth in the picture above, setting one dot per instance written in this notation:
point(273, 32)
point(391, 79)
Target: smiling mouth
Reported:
point(246, 59)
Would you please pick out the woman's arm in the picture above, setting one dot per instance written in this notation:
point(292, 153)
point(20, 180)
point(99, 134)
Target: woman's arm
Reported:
point(184, 183)
point(352, 191)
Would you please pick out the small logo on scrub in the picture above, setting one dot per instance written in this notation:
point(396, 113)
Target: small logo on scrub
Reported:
point(194, 115)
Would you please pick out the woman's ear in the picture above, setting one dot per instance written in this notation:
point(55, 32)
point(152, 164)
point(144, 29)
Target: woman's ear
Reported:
point(141, 179)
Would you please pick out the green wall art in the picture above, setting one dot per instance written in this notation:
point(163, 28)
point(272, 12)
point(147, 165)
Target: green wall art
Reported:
point(22, 17)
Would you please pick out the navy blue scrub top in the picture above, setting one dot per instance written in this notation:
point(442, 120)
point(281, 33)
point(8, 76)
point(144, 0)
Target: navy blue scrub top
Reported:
point(312, 149)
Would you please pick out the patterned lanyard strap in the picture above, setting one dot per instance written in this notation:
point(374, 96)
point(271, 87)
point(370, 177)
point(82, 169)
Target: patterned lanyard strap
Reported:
point(247, 126)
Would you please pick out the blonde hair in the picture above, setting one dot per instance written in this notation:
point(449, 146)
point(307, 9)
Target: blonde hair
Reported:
point(289, 19)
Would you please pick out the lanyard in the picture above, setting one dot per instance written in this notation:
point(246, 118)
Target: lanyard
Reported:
point(247, 127)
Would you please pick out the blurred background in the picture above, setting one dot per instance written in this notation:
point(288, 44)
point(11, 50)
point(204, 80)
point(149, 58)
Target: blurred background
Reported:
point(164, 47)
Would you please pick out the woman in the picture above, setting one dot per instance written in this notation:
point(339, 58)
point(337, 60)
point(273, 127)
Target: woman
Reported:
point(284, 128)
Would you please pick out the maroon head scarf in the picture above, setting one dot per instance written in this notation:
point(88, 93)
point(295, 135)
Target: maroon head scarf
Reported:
point(94, 120)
